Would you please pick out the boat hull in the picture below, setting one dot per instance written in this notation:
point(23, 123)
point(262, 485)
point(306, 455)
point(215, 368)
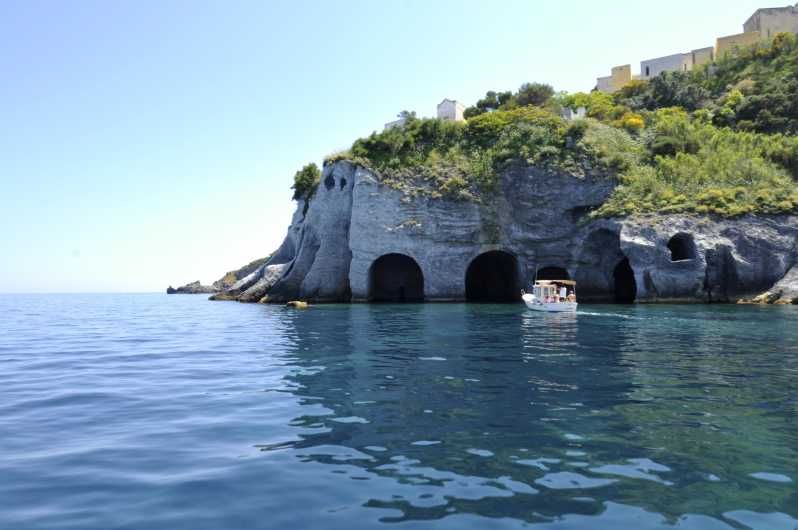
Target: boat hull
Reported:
point(550, 307)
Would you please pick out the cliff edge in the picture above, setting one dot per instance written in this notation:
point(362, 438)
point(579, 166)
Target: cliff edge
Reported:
point(359, 239)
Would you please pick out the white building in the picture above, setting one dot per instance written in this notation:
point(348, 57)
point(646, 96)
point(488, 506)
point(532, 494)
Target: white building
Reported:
point(574, 114)
point(678, 62)
point(450, 110)
point(395, 123)
point(604, 84)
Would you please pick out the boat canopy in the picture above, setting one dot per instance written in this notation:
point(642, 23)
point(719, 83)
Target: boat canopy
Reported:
point(561, 282)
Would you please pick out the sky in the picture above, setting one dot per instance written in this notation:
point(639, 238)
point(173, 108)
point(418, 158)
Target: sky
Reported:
point(146, 143)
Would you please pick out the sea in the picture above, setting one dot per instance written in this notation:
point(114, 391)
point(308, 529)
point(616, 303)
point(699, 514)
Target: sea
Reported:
point(148, 411)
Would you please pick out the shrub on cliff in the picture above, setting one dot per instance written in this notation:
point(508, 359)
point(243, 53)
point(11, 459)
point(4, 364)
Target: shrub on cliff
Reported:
point(706, 169)
point(755, 89)
point(450, 156)
point(535, 94)
point(306, 180)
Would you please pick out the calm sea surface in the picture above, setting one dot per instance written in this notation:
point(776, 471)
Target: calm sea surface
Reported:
point(173, 412)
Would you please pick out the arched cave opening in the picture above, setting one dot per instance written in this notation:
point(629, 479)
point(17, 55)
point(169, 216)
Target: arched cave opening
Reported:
point(493, 277)
point(395, 278)
point(682, 247)
point(624, 281)
point(553, 273)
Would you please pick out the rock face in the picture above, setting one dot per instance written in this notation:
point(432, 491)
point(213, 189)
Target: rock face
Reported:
point(230, 278)
point(360, 240)
point(785, 291)
point(225, 283)
point(191, 288)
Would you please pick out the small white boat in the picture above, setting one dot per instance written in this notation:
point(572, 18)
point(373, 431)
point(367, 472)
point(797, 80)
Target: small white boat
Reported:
point(556, 296)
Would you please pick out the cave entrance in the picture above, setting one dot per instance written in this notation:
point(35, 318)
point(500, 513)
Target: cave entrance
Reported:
point(493, 277)
point(682, 247)
point(553, 273)
point(395, 278)
point(624, 280)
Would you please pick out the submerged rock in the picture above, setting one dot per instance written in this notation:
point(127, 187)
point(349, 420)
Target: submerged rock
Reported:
point(358, 239)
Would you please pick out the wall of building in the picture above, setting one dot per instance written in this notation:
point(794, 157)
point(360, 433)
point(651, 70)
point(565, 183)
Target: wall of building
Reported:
point(728, 44)
point(450, 110)
point(395, 123)
point(702, 56)
point(621, 76)
point(604, 84)
point(770, 21)
point(671, 63)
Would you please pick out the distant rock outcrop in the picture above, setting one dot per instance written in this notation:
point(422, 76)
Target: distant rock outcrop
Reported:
point(359, 239)
point(191, 288)
point(224, 283)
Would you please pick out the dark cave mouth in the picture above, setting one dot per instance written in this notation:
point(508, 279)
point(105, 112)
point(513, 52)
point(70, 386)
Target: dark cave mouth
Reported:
point(493, 277)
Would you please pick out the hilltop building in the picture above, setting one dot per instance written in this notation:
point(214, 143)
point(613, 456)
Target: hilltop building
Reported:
point(619, 77)
point(729, 43)
point(395, 123)
point(679, 62)
point(764, 24)
point(451, 110)
point(772, 20)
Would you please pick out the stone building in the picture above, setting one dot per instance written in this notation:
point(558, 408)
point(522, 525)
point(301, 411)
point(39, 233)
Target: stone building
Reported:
point(729, 43)
point(395, 123)
point(451, 110)
point(772, 20)
point(619, 77)
point(764, 24)
point(702, 56)
point(604, 84)
point(678, 62)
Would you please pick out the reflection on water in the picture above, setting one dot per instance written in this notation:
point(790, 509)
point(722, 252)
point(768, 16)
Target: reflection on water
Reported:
point(145, 413)
point(659, 413)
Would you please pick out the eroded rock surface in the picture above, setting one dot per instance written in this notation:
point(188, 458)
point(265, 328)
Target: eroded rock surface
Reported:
point(359, 240)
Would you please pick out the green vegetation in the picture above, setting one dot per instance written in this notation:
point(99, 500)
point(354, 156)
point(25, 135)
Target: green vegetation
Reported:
point(696, 167)
point(718, 140)
point(537, 94)
point(306, 180)
point(463, 160)
point(753, 90)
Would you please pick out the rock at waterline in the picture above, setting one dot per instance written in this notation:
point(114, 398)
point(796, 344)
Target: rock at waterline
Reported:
point(191, 288)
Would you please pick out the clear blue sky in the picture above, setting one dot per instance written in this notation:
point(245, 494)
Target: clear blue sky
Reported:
point(145, 143)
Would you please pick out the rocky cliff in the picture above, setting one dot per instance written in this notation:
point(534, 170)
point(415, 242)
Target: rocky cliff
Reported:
point(224, 283)
point(358, 239)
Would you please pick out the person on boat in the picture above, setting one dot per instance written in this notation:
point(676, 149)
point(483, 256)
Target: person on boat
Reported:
point(571, 297)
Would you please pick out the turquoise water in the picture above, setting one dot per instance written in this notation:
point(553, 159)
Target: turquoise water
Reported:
point(155, 411)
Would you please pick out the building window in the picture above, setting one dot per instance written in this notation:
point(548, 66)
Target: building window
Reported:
point(647, 71)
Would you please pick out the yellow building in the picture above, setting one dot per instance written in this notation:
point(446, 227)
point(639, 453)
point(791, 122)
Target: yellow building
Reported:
point(701, 57)
point(730, 43)
point(620, 76)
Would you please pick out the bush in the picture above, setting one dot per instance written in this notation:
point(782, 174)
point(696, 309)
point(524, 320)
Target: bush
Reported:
point(700, 168)
point(306, 180)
